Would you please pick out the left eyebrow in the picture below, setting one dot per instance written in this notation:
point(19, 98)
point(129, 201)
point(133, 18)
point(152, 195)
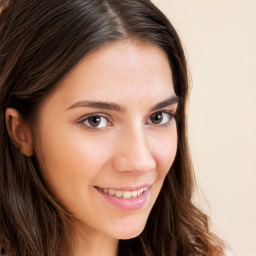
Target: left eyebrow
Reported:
point(169, 101)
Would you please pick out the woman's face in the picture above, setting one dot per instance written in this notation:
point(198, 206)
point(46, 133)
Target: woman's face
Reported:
point(108, 137)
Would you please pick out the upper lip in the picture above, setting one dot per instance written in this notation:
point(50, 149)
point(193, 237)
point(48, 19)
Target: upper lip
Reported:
point(128, 188)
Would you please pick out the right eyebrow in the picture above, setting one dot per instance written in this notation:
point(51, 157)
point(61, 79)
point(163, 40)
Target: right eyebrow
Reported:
point(98, 104)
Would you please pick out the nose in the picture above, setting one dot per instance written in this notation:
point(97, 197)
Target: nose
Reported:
point(134, 153)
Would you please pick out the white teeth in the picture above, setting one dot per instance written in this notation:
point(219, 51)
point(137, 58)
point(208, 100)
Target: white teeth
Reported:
point(140, 191)
point(111, 192)
point(127, 194)
point(118, 193)
point(134, 193)
point(123, 194)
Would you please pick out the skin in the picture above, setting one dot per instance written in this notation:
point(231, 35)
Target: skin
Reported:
point(126, 149)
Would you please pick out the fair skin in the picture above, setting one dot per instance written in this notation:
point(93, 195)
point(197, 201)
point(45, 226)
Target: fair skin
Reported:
point(129, 144)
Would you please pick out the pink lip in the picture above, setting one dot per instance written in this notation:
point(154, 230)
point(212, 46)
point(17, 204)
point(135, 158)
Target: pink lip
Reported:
point(127, 204)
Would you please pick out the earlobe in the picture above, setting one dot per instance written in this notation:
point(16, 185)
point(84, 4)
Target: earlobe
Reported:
point(19, 131)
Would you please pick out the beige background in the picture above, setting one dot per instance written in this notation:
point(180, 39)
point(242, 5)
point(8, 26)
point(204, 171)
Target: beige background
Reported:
point(219, 37)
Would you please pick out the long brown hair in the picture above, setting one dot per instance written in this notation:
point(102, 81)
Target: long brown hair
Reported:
point(40, 41)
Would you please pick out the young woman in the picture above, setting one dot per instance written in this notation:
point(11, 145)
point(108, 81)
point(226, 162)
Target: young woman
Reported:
point(93, 148)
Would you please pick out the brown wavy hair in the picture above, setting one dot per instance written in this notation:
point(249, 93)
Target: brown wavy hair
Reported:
point(40, 41)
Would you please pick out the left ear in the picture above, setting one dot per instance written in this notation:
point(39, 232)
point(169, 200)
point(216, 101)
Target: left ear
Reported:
point(19, 131)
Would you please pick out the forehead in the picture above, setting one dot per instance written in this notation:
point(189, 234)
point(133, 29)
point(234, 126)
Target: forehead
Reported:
point(124, 72)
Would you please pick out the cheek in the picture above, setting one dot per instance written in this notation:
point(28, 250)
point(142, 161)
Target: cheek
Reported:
point(71, 158)
point(164, 150)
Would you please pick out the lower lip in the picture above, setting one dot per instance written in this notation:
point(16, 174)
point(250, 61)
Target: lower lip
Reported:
point(127, 204)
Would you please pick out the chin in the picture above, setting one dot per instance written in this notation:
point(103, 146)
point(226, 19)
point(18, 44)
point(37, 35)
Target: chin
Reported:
point(130, 231)
point(129, 235)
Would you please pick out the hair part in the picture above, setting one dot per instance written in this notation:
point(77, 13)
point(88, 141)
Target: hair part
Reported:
point(41, 41)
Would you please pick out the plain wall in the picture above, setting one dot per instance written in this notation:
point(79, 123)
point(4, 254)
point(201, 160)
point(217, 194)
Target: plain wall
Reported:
point(219, 38)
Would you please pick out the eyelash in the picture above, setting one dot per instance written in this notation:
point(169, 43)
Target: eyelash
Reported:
point(84, 119)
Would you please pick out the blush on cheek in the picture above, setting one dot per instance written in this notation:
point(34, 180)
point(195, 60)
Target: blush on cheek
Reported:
point(166, 154)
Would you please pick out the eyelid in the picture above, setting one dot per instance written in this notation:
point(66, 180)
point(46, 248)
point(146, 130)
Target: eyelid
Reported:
point(172, 112)
point(93, 114)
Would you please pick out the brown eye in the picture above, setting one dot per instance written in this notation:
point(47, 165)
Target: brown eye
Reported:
point(157, 118)
point(160, 118)
point(96, 122)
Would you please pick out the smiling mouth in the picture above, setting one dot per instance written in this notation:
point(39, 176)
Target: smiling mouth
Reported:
point(123, 194)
